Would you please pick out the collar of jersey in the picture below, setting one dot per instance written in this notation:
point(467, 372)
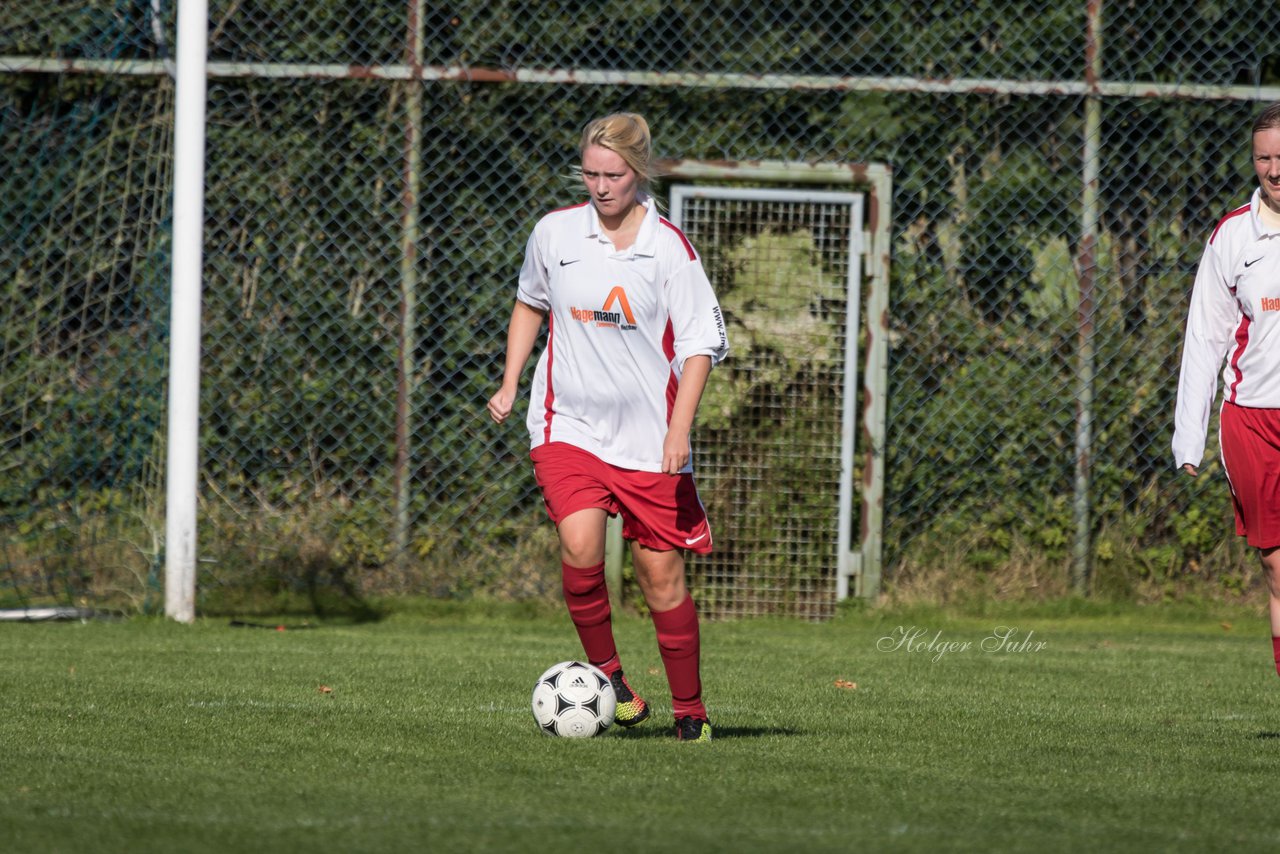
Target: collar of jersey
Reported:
point(646, 238)
point(1255, 211)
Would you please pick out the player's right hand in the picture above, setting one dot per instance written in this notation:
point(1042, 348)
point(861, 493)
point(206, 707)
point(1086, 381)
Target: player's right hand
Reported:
point(500, 405)
point(1190, 469)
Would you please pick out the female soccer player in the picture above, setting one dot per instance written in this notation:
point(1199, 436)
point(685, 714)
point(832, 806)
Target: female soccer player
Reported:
point(634, 329)
point(1235, 314)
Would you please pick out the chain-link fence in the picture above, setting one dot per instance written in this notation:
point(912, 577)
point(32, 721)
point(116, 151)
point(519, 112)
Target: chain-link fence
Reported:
point(1055, 177)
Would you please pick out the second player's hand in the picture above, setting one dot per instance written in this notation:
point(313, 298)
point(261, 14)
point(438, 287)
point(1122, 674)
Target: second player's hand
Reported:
point(1190, 469)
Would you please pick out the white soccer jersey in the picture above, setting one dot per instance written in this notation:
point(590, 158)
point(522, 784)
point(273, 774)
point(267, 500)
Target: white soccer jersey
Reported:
point(1234, 314)
point(620, 327)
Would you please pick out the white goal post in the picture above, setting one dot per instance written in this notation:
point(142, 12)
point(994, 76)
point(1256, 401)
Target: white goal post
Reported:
point(183, 443)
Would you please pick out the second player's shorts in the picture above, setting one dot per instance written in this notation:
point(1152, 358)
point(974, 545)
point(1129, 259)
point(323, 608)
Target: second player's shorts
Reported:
point(1250, 440)
point(659, 511)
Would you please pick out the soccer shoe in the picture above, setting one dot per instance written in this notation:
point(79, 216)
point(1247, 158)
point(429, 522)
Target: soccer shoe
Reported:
point(693, 729)
point(632, 709)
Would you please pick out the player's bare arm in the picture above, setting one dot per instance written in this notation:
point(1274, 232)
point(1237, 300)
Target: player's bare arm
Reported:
point(693, 380)
point(522, 334)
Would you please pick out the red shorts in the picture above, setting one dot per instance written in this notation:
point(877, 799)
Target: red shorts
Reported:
point(1250, 440)
point(659, 511)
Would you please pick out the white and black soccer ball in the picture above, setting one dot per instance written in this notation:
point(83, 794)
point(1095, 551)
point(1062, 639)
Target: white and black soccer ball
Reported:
point(574, 700)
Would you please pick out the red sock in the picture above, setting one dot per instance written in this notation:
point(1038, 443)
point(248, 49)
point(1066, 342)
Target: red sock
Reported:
point(1275, 651)
point(679, 645)
point(588, 600)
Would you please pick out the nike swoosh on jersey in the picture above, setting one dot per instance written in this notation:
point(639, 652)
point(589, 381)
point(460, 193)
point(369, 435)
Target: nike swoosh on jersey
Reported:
point(1246, 263)
point(689, 542)
point(576, 260)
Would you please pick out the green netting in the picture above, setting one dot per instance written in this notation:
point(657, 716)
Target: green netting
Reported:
point(979, 109)
point(84, 267)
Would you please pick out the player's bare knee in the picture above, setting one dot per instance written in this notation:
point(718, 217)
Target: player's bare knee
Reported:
point(1271, 569)
point(663, 593)
point(1273, 579)
point(580, 550)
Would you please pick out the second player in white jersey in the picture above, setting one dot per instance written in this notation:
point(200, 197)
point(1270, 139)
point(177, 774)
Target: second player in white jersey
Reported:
point(1233, 327)
point(1235, 318)
point(620, 326)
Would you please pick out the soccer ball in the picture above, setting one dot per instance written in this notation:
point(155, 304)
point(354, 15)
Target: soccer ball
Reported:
point(573, 700)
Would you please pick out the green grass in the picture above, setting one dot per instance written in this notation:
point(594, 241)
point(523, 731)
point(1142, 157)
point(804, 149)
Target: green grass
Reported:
point(1130, 730)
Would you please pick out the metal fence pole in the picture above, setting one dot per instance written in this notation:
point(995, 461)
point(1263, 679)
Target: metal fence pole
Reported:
point(407, 345)
point(1088, 266)
point(613, 555)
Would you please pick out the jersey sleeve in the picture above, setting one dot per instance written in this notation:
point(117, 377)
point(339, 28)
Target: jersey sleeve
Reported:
point(535, 285)
point(696, 318)
point(1211, 322)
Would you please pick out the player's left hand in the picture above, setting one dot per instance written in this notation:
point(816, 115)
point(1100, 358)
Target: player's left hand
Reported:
point(675, 452)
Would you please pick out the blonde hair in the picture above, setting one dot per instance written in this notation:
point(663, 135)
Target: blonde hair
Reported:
point(625, 134)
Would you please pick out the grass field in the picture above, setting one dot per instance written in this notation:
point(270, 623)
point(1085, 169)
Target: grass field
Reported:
point(1119, 730)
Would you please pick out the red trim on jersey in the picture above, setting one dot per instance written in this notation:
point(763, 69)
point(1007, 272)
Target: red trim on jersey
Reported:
point(688, 247)
point(669, 350)
point(549, 400)
point(1218, 227)
point(1242, 341)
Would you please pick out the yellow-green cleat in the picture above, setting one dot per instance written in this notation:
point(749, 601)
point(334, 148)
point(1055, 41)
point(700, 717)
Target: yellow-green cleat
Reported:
point(693, 729)
point(632, 709)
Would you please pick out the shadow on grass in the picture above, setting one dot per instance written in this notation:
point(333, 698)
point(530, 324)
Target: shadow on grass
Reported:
point(719, 731)
point(1262, 736)
point(293, 583)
